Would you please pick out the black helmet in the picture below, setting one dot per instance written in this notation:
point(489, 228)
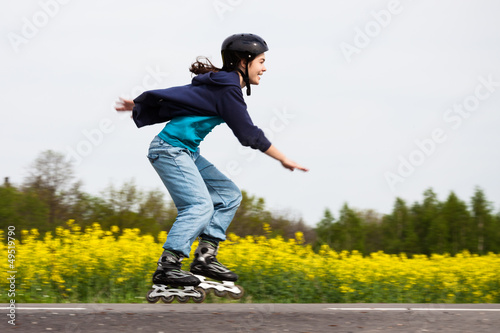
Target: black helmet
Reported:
point(238, 47)
point(250, 44)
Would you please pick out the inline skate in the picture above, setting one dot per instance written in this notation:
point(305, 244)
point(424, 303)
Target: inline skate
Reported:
point(207, 268)
point(168, 280)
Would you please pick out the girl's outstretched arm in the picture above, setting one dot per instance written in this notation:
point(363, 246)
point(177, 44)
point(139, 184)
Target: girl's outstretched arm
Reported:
point(124, 104)
point(287, 163)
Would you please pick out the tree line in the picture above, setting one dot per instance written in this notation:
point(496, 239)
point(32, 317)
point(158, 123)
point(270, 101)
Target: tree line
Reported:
point(426, 227)
point(50, 196)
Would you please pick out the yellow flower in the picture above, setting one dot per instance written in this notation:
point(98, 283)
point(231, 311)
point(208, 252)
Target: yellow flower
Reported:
point(101, 262)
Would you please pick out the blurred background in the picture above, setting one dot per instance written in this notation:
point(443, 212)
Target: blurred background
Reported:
point(380, 99)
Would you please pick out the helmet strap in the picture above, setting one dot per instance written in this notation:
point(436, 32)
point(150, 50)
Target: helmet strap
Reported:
point(246, 79)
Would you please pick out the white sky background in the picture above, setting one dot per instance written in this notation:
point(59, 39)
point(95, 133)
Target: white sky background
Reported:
point(350, 118)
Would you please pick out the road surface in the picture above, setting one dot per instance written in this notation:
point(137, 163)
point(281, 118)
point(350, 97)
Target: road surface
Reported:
point(238, 317)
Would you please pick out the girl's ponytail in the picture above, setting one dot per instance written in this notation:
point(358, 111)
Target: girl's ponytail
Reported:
point(203, 65)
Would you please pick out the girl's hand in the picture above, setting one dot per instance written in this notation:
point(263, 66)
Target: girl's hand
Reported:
point(287, 163)
point(291, 165)
point(124, 105)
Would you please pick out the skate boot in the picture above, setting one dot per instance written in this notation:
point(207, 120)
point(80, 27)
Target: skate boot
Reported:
point(205, 265)
point(168, 278)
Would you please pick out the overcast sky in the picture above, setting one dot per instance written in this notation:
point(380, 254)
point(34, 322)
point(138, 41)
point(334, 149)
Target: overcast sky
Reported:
point(380, 99)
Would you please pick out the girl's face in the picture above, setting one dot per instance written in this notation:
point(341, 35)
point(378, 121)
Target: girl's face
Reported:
point(256, 68)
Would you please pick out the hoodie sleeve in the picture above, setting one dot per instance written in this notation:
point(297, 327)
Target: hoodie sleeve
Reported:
point(233, 109)
point(148, 107)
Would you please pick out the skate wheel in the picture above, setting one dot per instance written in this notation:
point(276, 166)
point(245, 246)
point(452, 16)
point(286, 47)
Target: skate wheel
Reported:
point(202, 297)
point(182, 299)
point(151, 299)
point(220, 293)
point(237, 295)
point(167, 299)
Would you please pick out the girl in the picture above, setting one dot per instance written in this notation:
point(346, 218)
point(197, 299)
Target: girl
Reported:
point(206, 200)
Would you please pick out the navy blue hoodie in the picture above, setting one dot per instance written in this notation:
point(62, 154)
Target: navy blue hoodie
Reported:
point(210, 94)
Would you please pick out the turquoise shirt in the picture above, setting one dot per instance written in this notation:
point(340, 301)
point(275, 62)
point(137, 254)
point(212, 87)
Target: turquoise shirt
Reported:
point(188, 131)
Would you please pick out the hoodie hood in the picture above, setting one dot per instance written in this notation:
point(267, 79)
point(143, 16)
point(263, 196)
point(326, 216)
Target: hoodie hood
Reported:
point(221, 78)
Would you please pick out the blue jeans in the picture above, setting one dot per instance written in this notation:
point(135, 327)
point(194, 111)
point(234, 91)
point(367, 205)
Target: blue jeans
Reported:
point(206, 199)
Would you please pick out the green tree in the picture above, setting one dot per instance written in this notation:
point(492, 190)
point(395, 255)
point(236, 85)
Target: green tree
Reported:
point(89, 209)
point(430, 227)
point(130, 207)
point(394, 226)
point(483, 223)
point(50, 178)
point(157, 210)
point(438, 236)
point(325, 230)
point(352, 235)
point(253, 214)
point(458, 219)
point(298, 225)
point(494, 245)
point(372, 222)
point(287, 225)
point(398, 230)
point(250, 216)
point(22, 210)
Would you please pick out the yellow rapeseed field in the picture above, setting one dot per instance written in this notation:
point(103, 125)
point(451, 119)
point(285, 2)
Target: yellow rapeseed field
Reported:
point(94, 265)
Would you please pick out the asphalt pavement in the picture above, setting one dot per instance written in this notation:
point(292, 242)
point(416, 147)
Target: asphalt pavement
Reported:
point(239, 317)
